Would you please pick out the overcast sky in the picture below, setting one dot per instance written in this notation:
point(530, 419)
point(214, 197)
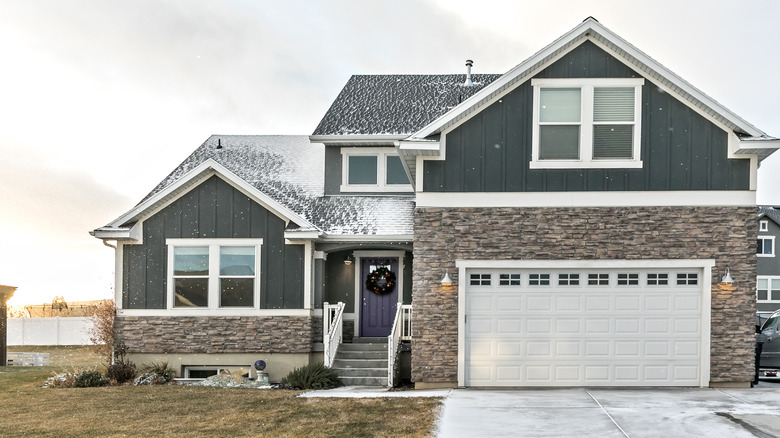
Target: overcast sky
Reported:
point(101, 99)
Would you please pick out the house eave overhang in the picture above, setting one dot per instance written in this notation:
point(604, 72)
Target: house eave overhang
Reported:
point(182, 185)
point(762, 147)
point(358, 139)
point(367, 238)
point(590, 29)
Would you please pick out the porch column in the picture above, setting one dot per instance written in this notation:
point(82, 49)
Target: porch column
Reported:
point(6, 292)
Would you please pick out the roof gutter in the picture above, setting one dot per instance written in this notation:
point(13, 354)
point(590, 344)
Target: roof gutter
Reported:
point(358, 139)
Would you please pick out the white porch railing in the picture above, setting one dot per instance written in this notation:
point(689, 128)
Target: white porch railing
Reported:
point(332, 330)
point(402, 331)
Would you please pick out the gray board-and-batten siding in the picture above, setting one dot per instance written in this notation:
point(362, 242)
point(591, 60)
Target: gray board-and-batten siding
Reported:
point(680, 149)
point(213, 210)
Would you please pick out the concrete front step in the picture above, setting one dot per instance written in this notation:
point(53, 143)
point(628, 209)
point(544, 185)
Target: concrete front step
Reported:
point(364, 381)
point(361, 372)
point(363, 347)
point(359, 363)
point(370, 340)
point(368, 354)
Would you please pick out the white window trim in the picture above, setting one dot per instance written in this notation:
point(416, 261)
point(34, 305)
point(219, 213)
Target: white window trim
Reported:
point(763, 226)
point(586, 126)
point(772, 238)
point(213, 300)
point(381, 185)
point(769, 279)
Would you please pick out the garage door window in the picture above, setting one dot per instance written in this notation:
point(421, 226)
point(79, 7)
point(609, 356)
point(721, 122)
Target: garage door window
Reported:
point(568, 279)
point(627, 279)
point(657, 279)
point(598, 279)
point(509, 279)
point(480, 280)
point(538, 279)
point(687, 279)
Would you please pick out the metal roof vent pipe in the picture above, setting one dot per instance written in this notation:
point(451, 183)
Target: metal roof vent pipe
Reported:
point(468, 82)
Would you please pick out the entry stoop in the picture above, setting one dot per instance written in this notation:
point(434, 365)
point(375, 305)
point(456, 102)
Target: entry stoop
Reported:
point(363, 362)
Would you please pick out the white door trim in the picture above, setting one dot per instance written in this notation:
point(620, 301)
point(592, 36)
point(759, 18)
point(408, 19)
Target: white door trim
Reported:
point(705, 265)
point(359, 255)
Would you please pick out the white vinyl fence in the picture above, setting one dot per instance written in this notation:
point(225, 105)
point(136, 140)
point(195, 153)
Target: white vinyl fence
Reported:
point(49, 331)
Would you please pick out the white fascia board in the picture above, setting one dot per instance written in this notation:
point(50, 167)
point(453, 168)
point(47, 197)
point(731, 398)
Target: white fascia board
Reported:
point(585, 264)
point(199, 174)
point(700, 198)
point(565, 43)
point(302, 235)
point(356, 140)
point(367, 238)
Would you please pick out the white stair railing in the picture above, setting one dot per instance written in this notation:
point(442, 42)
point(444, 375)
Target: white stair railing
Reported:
point(332, 330)
point(402, 331)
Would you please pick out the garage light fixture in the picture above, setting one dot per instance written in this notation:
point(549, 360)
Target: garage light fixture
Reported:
point(727, 283)
point(348, 260)
point(446, 281)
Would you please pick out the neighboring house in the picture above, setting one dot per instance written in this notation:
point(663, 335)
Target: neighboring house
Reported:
point(586, 205)
point(768, 264)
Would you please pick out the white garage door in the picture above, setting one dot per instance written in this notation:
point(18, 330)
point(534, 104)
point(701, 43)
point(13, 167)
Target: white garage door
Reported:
point(577, 327)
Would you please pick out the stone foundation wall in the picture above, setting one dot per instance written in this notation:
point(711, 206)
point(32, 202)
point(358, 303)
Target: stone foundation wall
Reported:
point(216, 334)
point(442, 235)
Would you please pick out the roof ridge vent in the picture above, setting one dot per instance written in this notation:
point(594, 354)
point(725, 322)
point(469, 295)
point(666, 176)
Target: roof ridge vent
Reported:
point(468, 82)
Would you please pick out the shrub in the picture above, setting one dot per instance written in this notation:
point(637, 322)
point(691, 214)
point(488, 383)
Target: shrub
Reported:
point(316, 376)
point(162, 369)
point(61, 380)
point(89, 379)
point(102, 333)
point(122, 370)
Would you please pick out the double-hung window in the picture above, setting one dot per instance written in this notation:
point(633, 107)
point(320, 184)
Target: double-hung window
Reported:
point(765, 246)
point(213, 273)
point(586, 123)
point(373, 170)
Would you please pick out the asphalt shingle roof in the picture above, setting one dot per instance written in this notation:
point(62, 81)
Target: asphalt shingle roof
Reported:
point(396, 104)
point(772, 212)
point(290, 170)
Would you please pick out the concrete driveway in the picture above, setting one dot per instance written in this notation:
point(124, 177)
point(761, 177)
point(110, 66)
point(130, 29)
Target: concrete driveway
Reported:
point(729, 413)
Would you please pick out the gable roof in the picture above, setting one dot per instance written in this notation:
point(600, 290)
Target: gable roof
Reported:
point(768, 211)
point(286, 175)
point(757, 142)
point(394, 105)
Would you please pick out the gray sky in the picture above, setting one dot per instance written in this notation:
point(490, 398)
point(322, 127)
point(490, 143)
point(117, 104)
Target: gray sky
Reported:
point(101, 99)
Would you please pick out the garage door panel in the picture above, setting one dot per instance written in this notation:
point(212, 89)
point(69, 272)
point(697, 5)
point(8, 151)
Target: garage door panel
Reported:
point(583, 334)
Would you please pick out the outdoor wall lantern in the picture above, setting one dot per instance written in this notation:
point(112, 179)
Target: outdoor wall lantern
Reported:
point(727, 283)
point(348, 260)
point(446, 281)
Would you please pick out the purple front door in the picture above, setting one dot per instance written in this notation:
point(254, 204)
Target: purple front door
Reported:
point(377, 309)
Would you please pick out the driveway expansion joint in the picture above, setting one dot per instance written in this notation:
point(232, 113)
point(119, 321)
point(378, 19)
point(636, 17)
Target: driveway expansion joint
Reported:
point(608, 414)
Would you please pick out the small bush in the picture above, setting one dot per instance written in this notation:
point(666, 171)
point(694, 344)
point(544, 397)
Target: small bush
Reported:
point(316, 376)
point(122, 370)
point(89, 379)
point(162, 369)
point(61, 380)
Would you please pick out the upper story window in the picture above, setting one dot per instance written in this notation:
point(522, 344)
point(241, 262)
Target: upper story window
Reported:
point(763, 226)
point(213, 273)
point(765, 246)
point(587, 123)
point(373, 170)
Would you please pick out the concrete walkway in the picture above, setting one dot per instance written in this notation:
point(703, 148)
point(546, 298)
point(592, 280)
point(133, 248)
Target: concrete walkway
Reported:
point(728, 413)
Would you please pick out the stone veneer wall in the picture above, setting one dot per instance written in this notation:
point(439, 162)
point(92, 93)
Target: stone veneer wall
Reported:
point(216, 334)
point(442, 235)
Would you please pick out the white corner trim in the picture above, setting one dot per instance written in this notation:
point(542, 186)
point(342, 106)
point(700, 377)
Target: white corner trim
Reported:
point(308, 275)
point(118, 269)
point(196, 176)
point(703, 198)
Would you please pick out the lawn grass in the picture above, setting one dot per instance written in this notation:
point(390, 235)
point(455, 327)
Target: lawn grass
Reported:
point(192, 411)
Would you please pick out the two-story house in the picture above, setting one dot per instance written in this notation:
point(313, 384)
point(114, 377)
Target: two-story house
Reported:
point(566, 223)
point(768, 264)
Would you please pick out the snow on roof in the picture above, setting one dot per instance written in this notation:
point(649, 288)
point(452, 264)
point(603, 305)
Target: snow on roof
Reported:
point(396, 104)
point(769, 211)
point(290, 170)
